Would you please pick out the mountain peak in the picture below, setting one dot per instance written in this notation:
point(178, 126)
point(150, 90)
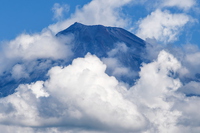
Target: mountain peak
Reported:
point(102, 40)
point(80, 24)
point(77, 24)
point(81, 27)
point(94, 32)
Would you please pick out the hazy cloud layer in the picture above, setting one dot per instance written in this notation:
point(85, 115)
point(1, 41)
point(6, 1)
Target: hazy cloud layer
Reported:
point(114, 66)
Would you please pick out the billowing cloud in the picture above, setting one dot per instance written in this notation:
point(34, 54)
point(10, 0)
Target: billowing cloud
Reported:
point(28, 48)
point(162, 25)
point(188, 55)
point(154, 90)
point(79, 95)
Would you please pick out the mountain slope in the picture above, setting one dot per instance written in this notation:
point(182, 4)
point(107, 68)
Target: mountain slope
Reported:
point(119, 49)
point(112, 43)
point(98, 39)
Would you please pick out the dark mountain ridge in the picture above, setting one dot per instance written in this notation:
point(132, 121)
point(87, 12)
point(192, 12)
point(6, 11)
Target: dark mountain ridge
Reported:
point(98, 39)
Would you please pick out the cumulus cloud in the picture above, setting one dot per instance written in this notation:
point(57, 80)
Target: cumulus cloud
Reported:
point(158, 76)
point(162, 25)
point(154, 93)
point(79, 95)
point(59, 11)
point(28, 57)
point(188, 94)
point(28, 48)
point(88, 86)
point(188, 55)
point(96, 12)
point(43, 45)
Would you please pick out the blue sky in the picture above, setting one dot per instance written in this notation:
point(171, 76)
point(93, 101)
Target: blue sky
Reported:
point(29, 16)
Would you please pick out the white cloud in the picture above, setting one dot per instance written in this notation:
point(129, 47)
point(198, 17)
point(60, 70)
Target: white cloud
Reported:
point(154, 90)
point(79, 95)
point(162, 25)
point(114, 66)
point(86, 85)
point(96, 12)
point(59, 11)
point(43, 45)
point(120, 47)
point(191, 63)
point(26, 49)
point(15, 129)
point(156, 77)
point(182, 4)
point(82, 96)
point(37, 89)
point(116, 69)
point(193, 58)
point(18, 71)
point(190, 117)
point(189, 56)
point(191, 88)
